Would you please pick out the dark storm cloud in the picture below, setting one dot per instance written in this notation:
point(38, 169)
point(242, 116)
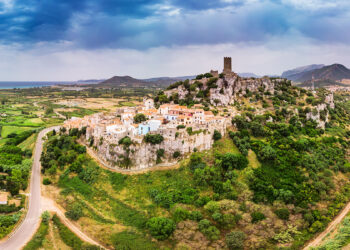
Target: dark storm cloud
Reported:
point(143, 24)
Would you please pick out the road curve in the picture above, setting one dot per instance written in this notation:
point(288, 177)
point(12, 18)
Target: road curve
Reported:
point(25, 231)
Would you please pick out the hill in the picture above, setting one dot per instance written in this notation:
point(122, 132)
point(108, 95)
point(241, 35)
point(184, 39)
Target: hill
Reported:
point(334, 72)
point(128, 81)
point(293, 73)
point(123, 81)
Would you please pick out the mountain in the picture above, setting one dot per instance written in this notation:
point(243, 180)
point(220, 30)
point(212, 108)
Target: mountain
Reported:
point(334, 72)
point(166, 81)
point(293, 73)
point(248, 75)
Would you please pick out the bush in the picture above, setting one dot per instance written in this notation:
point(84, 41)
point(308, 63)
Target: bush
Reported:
point(75, 212)
point(180, 214)
point(130, 240)
point(47, 181)
point(45, 217)
point(161, 228)
point(257, 216)
point(217, 135)
point(196, 216)
point(154, 139)
point(69, 238)
point(176, 154)
point(38, 239)
point(282, 213)
point(231, 161)
point(211, 232)
point(235, 240)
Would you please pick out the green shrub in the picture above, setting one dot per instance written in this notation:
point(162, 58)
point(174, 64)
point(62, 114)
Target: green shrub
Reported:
point(176, 154)
point(46, 181)
point(154, 138)
point(68, 237)
point(282, 213)
point(161, 228)
point(75, 212)
point(38, 239)
point(196, 216)
point(235, 240)
point(217, 135)
point(131, 240)
point(257, 216)
point(117, 180)
point(211, 232)
point(180, 214)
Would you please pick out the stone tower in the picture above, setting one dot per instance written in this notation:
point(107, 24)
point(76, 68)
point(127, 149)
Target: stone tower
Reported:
point(227, 65)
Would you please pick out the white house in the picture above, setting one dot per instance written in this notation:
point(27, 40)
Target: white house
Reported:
point(154, 124)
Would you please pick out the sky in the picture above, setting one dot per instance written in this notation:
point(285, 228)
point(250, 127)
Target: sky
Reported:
point(64, 40)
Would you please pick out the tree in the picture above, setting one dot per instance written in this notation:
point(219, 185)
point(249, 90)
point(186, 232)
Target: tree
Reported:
point(233, 161)
point(235, 240)
point(138, 118)
point(160, 227)
point(217, 135)
point(176, 154)
point(267, 153)
point(15, 181)
point(154, 139)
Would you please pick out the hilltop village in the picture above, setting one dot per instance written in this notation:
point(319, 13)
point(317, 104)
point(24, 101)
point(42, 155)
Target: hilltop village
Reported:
point(171, 131)
point(178, 121)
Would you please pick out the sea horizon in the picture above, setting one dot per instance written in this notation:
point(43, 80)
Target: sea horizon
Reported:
point(28, 84)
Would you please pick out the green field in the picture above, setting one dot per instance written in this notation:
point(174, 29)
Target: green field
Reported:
point(6, 130)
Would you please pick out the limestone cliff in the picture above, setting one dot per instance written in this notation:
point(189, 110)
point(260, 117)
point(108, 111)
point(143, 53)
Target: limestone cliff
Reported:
point(221, 91)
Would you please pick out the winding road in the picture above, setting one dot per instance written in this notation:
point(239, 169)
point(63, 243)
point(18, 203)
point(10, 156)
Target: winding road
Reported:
point(27, 228)
point(24, 232)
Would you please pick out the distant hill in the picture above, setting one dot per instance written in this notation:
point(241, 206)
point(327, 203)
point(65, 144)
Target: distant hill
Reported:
point(248, 75)
point(322, 83)
point(334, 72)
point(326, 75)
point(128, 81)
point(295, 73)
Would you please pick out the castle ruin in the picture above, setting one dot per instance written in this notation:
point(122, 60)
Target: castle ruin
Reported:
point(227, 65)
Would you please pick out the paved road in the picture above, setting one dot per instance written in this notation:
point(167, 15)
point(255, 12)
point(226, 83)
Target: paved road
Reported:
point(24, 232)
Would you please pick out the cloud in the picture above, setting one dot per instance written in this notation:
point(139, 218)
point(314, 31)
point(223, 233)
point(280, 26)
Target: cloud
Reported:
point(44, 63)
point(140, 24)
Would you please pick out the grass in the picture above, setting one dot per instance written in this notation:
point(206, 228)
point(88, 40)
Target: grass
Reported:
point(38, 239)
point(6, 130)
point(253, 160)
point(341, 239)
point(225, 145)
point(68, 237)
point(29, 143)
point(126, 104)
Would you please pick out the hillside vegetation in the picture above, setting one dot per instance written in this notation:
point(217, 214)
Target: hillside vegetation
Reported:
point(274, 181)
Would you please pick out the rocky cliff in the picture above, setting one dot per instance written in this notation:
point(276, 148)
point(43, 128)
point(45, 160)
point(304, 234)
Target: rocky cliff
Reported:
point(220, 91)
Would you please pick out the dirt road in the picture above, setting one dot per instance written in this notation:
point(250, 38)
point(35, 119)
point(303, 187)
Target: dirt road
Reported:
point(332, 225)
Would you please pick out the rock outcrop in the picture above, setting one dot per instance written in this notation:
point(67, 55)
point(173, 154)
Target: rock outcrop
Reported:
point(224, 91)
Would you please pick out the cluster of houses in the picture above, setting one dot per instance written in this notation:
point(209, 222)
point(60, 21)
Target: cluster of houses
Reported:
point(164, 120)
